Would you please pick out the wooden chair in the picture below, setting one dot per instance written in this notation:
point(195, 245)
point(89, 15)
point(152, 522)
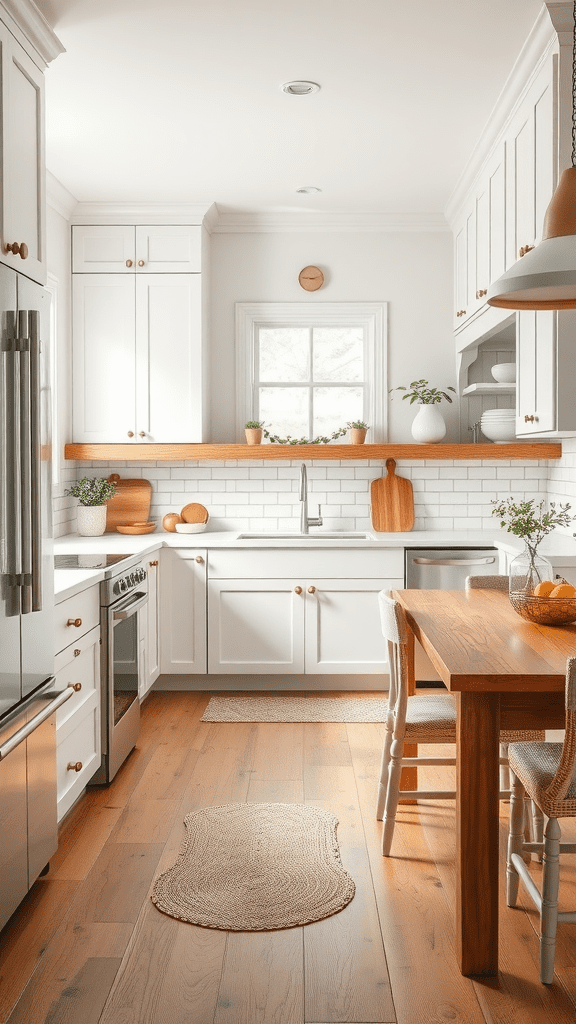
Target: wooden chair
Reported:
point(546, 772)
point(415, 719)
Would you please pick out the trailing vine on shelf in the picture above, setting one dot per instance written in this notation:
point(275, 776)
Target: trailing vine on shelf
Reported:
point(274, 439)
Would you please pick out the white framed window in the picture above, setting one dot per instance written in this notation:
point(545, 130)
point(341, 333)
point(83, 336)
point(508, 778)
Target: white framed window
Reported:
point(307, 369)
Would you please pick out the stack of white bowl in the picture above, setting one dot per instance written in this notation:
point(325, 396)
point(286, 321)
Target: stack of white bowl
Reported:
point(499, 425)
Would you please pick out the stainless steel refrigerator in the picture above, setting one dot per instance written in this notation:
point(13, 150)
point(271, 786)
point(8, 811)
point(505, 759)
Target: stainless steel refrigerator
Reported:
point(28, 700)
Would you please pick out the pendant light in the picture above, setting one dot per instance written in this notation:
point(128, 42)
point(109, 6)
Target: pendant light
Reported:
point(545, 277)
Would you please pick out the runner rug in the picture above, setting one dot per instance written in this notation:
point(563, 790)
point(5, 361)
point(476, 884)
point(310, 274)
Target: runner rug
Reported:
point(256, 867)
point(294, 708)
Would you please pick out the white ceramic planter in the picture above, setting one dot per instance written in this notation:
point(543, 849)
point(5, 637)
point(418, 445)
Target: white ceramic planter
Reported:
point(428, 426)
point(91, 520)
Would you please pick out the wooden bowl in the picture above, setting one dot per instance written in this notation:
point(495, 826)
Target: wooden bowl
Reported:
point(134, 529)
point(194, 513)
point(546, 611)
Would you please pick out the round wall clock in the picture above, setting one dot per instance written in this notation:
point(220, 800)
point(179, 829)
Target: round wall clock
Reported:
point(311, 279)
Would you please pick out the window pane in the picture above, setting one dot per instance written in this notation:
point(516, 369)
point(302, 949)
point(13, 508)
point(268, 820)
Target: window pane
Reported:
point(334, 407)
point(338, 353)
point(285, 411)
point(284, 353)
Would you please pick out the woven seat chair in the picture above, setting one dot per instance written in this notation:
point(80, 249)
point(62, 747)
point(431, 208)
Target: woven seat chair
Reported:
point(415, 719)
point(547, 773)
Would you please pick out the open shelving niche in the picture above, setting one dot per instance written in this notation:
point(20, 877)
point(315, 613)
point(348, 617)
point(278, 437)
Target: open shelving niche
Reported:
point(475, 382)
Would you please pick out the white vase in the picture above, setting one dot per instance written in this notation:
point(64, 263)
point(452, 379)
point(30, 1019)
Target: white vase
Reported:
point(91, 520)
point(428, 426)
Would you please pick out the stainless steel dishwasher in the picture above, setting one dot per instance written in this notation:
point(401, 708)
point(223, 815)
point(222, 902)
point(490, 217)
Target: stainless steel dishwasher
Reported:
point(443, 569)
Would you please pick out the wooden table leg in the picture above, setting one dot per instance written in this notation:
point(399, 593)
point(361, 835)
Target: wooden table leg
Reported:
point(477, 833)
point(409, 776)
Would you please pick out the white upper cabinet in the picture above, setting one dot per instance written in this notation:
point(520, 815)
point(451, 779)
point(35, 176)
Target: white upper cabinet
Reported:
point(546, 372)
point(137, 358)
point(136, 249)
point(22, 161)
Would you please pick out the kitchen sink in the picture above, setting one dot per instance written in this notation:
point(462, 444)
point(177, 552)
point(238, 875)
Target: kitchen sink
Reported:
point(326, 535)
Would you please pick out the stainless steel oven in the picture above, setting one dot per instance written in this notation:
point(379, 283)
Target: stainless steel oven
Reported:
point(123, 598)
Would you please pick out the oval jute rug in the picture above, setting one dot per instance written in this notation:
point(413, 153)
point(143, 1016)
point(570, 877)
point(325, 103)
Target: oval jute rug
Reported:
point(256, 867)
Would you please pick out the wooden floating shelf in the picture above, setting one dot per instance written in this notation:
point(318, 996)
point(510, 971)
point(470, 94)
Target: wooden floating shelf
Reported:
point(228, 452)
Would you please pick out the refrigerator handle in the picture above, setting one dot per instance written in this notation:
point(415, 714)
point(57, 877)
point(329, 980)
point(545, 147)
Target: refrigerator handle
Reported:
point(35, 517)
point(10, 565)
point(25, 463)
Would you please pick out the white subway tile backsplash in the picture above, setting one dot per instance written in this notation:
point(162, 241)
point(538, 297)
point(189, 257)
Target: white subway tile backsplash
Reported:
point(247, 495)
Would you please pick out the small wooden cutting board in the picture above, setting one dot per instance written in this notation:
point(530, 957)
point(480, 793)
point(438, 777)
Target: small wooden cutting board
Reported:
point(130, 504)
point(392, 502)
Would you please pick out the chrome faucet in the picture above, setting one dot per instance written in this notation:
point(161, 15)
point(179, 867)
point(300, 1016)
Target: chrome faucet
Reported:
point(305, 522)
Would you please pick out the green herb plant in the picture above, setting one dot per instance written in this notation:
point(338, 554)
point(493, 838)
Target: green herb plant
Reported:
point(357, 425)
point(418, 391)
point(95, 491)
point(254, 424)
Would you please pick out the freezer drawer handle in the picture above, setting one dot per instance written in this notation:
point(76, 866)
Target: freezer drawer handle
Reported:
point(58, 698)
point(455, 561)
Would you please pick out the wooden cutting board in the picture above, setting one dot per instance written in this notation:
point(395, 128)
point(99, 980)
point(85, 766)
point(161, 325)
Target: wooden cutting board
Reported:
point(130, 504)
point(392, 502)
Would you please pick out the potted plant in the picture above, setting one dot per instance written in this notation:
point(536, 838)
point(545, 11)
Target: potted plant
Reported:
point(429, 426)
point(253, 431)
point(357, 431)
point(92, 496)
point(529, 521)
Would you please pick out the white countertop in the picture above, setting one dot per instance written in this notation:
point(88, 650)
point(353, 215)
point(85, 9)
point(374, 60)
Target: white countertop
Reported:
point(67, 582)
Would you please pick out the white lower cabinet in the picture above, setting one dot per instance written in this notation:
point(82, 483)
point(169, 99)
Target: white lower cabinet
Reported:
point(293, 611)
point(78, 720)
point(183, 612)
point(150, 628)
point(296, 626)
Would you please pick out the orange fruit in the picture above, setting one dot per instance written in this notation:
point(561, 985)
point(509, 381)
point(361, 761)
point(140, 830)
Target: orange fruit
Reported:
point(564, 590)
point(545, 588)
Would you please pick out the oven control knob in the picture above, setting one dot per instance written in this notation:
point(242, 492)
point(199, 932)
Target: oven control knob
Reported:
point(123, 585)
point(116, 588)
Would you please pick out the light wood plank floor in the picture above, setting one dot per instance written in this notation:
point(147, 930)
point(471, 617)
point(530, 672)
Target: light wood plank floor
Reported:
point(87, 946)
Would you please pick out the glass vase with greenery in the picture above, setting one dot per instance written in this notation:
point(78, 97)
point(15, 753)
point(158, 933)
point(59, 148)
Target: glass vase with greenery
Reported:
point(531, 522)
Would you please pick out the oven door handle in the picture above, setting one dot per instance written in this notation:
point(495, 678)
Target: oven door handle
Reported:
point(129, 609)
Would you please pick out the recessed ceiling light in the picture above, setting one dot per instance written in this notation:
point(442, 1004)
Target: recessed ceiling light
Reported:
point(308, 190)
point(300, 88)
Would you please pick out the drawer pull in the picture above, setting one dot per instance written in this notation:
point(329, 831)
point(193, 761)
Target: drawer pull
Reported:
point(297, 590)
point(128, 263)
point(199, 559)
point(75, 686)
point(311, 590)
point(529, 419)
point(77, 652)
point(74, 766)
point(152, 564)
point(74, 622)
point(140, 263)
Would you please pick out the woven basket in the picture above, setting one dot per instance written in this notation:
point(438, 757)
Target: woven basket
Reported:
point(547, 611)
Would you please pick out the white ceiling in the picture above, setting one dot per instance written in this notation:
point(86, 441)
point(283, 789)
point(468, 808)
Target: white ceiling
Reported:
point(179, 101)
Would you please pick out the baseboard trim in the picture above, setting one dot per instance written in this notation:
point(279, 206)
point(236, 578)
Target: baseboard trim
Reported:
point(208, 682)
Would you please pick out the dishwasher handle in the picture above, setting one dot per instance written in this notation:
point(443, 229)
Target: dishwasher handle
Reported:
point(455, 561)
point(58, 698)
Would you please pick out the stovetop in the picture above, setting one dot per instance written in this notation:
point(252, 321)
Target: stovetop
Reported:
point(86, 561)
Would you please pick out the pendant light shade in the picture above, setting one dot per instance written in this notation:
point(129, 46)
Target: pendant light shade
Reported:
point(545, 277)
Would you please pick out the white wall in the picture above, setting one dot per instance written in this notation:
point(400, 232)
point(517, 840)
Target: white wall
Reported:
point(410, 271)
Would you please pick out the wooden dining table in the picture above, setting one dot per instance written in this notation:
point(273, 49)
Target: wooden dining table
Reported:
point(505, 673)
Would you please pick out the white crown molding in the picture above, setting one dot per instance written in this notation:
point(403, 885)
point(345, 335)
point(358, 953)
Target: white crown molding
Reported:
point(224, 222)
point(538, 45)
point(58, 197)
point(33, 24)
point(140, 213)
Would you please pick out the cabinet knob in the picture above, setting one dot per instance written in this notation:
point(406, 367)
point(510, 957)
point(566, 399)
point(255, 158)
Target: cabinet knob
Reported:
point(529, 419)
point(481, 293)
point(129, 263)
point(297, 590)
point(75, 686)
point(77, 652)
point(524, 249)
point(130, 433)
point(153, 563)
point(74, 766)
point(74, 622)
point(199, 559)
point(142, 433)
point(140, 263)
point(461, 312)
point(311, 590)
point(20, 249)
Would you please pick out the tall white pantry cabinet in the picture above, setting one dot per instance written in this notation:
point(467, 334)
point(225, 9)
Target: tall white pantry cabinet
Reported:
point(138, 352)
